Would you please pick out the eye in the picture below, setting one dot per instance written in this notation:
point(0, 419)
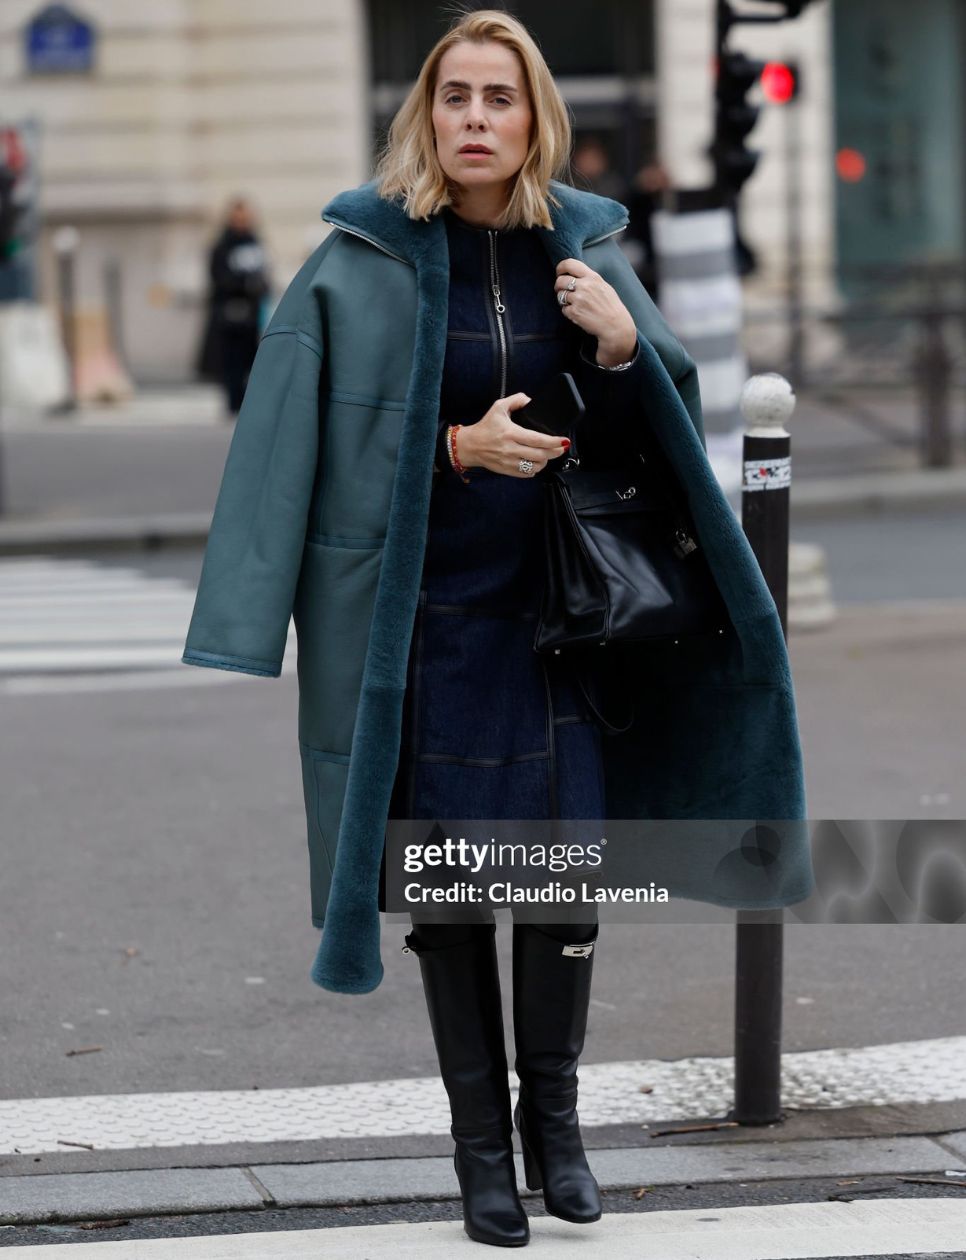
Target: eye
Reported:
point(457, 96)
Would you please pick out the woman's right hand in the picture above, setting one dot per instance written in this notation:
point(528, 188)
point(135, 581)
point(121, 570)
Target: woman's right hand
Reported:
point(495, 442)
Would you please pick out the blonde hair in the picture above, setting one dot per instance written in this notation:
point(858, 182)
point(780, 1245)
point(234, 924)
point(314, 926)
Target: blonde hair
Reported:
point(409, 167)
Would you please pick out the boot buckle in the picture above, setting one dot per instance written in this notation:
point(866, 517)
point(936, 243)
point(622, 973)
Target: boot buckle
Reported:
point(578, 951)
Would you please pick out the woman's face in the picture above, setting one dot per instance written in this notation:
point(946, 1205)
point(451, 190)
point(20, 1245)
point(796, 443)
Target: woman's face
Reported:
point(481, 99)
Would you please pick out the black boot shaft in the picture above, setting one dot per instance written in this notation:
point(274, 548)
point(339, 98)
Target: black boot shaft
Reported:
point(551, 997)
point(462, 988)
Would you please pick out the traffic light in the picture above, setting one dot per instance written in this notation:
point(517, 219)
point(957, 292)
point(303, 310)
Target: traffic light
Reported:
point(8, 210)
point(14, 192)
point(793, 8)
point(734, 118)
point(780, 82)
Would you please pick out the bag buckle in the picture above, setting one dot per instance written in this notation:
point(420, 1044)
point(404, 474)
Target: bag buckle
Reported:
point(685, 543)
point(626, 494)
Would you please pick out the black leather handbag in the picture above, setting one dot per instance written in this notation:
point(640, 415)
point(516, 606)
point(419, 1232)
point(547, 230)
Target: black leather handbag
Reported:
point(623, 564)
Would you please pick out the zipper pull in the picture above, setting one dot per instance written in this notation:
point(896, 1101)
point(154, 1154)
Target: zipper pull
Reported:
point(496, 296)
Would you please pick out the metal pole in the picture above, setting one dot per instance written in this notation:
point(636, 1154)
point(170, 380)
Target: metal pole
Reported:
point(766, 403)
point(793, 206)
point(3, 472)
point(934, 373)
point(66, 241)
point(114, 294)
point(759, 942)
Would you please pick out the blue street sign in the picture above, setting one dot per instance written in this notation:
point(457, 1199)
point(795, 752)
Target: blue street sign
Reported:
point(57, 41)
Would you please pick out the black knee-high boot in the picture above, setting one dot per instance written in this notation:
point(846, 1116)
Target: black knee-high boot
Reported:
point(551, 994)
point(462, 987)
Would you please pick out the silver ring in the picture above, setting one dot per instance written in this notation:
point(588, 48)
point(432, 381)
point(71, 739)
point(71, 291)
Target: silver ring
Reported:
point(572, 285)
point(562, 297)
point(525, 465)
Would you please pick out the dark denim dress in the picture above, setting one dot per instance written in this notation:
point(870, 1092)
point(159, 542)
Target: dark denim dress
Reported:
point(491, 728)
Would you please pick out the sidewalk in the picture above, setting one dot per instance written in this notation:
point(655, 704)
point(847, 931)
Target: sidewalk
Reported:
point(884, 1112)
point(692, 1161)
point(146, 473)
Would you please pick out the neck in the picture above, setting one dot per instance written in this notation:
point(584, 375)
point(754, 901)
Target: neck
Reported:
point(482, 206)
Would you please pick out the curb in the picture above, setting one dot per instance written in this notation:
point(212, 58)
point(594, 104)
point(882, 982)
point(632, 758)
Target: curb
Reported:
point(871, 493)
point(48, 1197)
point(175, 529)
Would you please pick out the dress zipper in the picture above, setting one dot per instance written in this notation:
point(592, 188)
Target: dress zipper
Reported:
point(500, 308)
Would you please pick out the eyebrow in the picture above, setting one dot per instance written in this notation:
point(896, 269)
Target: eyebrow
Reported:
point(487, 87)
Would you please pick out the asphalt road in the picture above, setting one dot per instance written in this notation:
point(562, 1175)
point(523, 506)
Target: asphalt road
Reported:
point(154, 894)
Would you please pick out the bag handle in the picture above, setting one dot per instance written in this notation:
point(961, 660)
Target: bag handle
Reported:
point(610, 728)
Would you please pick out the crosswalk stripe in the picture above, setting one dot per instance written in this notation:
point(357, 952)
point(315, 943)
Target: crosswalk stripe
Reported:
point(86, 630)
point(65, 616)
point(106, 655)
point(94, 595)
point(788, 1231)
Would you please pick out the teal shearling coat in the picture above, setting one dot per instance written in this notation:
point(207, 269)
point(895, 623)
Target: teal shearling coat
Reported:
point(322, 516)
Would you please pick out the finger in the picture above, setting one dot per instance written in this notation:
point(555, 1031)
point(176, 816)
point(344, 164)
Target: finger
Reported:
point(574, 267)
point(532, 439)
point(515, 400)
point(564, 281)
point(538, 460)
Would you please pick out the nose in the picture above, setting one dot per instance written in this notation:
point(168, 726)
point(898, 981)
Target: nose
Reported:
point(474, 117)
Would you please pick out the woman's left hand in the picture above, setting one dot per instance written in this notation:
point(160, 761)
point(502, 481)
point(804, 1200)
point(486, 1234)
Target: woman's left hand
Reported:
point(593, 304)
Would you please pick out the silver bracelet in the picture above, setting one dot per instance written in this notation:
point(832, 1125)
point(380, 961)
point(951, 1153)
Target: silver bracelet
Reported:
point(618, 367)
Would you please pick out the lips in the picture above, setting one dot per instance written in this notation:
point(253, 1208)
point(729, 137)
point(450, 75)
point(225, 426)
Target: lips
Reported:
point(475, 148)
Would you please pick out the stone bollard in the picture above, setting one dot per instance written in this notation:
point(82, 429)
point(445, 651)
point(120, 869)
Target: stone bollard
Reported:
point(796, 572)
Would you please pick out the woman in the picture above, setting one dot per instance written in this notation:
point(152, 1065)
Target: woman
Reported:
point(489, 730)
point(378, 489)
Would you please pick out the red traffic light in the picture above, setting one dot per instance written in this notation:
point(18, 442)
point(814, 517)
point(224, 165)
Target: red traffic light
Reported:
point(12, 151)
point(779, 82)
point(850, 165)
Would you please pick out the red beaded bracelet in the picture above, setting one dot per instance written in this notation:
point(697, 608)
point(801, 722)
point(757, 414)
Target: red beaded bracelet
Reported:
point(451, 451)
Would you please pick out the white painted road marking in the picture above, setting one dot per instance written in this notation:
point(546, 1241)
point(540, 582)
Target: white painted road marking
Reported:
point(794, 1231)
point(610, 1093)
point(62, 619)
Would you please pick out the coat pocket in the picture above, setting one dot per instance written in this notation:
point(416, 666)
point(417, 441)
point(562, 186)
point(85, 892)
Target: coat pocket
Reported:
point(332, 612)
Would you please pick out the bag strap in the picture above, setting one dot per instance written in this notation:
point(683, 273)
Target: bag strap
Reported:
point(608, 726)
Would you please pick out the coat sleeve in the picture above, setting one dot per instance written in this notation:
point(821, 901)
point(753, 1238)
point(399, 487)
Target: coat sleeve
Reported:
point(253, 555)
point(612, 263)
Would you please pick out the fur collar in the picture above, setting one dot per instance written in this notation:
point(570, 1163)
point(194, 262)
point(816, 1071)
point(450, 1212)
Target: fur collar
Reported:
point(581, 218)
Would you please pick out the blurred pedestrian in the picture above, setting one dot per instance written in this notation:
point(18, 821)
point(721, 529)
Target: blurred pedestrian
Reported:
point(239, 276)
point(592, 169)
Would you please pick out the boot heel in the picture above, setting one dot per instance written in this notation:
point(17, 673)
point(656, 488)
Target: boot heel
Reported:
point(531, 1169)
